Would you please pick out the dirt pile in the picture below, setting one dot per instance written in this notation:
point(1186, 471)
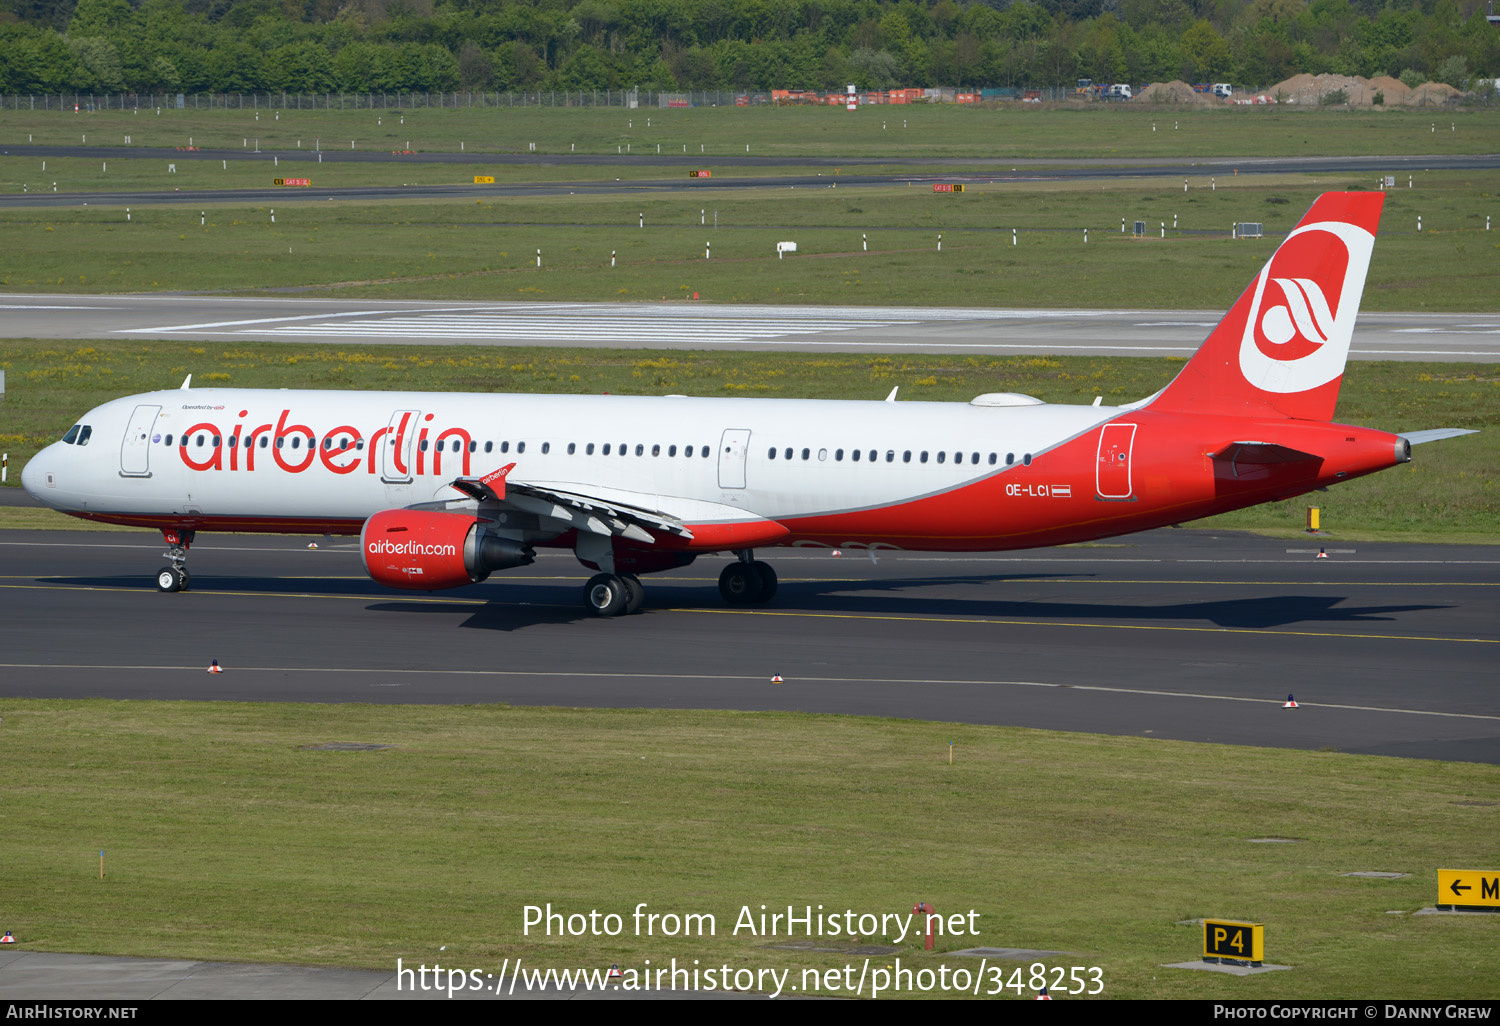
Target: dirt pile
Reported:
point(1175, 91)
point(1312, 90)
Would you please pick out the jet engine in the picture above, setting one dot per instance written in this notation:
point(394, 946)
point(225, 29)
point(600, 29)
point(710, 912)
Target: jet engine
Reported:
point(424, 550)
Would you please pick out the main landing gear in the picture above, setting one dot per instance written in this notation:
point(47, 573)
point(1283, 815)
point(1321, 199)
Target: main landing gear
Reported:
point(175, 577)
point(614, 594)
point(747, 582)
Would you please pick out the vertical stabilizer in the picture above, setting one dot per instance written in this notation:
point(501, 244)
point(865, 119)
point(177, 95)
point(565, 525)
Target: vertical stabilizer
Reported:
point(1280, 350)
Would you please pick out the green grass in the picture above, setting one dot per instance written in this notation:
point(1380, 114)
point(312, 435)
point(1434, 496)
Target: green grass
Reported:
point(227, 837)
point(1450, 491)
point(1111, 132)
point(486, 249)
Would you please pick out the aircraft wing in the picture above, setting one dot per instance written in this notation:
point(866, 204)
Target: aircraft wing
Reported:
point(579, 510)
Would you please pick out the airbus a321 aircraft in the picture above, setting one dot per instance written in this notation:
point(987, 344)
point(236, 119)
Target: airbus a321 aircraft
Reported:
point(443, 488)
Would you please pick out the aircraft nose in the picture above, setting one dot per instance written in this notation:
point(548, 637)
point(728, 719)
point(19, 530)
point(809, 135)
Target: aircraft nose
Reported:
point(34, 476)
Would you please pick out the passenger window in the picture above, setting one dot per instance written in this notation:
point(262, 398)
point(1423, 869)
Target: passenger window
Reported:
point(588, 450)
point(83, 436)
point(671, 450)
point(890, 455)
point(855, 454)
point(546, 448)
point(656, 450)
point(822, 454)
point(422, 445)
point(622, 449)
point(201, 437)
point(640, 450)
point(872, 455)
point(572, 448)
point(975, 459)
point(296, 441)
point(805, 453)
point(606, 448)
point(941, 456)
point(264, 441)
point(704, 450)
point(489, 446)
point(923, 457)
point(838, 455)
point(688, 451)
point(505, 447)
point(994, 457)
point(1026, 459)
point(169, 440)
point(520, 447)
point(771, 453)
point(473, 446)
point(906, 456)
point(789, 453)
point(1010, 458)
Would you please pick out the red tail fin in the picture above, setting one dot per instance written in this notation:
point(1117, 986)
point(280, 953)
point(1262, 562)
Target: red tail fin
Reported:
point(1280, 350)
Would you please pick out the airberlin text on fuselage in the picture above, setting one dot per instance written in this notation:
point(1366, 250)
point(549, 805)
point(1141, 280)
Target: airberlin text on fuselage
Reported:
point(334, 457)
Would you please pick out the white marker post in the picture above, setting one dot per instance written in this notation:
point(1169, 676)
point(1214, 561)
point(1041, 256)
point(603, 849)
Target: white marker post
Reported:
point(611, 258)
point(539, 258)
point(865, 240)
point(1012, 236)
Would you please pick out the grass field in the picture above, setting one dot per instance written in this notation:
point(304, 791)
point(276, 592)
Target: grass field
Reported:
point(486, 249)
point(910, 133)
point(1450, 491)
point(228, 835)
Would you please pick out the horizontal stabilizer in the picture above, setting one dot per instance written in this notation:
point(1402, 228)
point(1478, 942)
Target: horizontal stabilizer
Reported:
point(1433, 434)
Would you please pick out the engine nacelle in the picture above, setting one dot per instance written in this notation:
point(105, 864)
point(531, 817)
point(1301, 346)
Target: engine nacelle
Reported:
point(424, 550)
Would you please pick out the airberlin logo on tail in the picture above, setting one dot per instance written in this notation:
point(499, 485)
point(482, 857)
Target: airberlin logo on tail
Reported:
point(1306, 298)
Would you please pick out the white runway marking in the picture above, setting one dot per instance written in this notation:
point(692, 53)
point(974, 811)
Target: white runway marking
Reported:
point(734, 679)
point(634, 327)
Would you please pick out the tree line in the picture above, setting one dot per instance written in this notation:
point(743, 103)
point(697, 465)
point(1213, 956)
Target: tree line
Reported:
point(317, 46)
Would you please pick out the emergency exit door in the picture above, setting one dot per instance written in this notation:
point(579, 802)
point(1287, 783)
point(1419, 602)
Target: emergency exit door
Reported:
point(1112, 473)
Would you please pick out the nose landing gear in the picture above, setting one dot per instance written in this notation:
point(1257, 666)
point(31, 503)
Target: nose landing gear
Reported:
point(175, 577)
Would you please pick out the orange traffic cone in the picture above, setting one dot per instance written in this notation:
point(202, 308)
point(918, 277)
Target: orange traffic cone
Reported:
point(7, 939)
point(837, 553)
point(614, 973)
point(216, 668)
point(1321, 555)
point(312, 545)
point(1290, 703)
point(776, 679)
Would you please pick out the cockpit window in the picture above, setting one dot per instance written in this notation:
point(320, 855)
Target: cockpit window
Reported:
point(83, 435)
point(72, 435)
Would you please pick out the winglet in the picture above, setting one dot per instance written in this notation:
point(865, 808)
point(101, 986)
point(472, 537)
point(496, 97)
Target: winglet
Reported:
point(490, 488)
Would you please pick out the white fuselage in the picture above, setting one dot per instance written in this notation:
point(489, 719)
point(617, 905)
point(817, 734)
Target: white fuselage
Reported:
point(319, 456)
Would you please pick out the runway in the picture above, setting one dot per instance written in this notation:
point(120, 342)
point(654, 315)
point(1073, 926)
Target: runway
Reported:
point(974, 170)
point(965, 330)
point(1175, 634)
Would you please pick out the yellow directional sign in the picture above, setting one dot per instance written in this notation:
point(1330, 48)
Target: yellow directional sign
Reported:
point(1228, 940)
point(1479, 888)
point(484, 179)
